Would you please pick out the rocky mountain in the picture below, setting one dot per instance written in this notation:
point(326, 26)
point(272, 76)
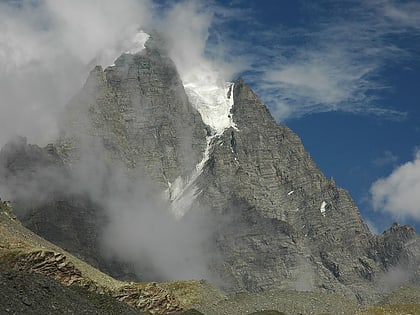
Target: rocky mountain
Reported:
point(273, 220)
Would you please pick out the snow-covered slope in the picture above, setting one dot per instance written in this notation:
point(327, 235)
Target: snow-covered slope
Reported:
point(214, 103)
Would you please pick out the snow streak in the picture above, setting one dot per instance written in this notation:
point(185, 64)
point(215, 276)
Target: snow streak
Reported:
point(214, 105)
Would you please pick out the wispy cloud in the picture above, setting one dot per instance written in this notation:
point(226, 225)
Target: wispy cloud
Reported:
point(404, 14)
point(398, 194)
point(386, 159)
point(332, 63)
point(47, 48)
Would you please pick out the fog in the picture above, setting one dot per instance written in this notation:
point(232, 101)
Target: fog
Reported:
point(141, 229)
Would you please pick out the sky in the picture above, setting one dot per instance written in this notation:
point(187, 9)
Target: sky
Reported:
point(341, 73)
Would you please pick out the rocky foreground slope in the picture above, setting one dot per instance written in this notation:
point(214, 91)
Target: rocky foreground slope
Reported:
point(37, 277)
point(274, 222)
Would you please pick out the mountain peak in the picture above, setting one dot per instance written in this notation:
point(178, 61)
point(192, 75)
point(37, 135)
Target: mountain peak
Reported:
point(248, 109)
point(141, 145)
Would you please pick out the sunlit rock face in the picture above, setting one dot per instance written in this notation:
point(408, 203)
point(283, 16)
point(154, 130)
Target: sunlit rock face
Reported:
point(275, 221)
point(137, 111)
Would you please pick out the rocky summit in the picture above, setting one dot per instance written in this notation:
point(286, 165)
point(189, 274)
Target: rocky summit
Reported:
point(274, 221)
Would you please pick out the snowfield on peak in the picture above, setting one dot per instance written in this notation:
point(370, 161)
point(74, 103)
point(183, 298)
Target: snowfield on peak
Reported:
point(214, 104)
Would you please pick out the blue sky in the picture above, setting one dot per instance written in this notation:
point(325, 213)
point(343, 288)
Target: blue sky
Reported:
point(343, 74)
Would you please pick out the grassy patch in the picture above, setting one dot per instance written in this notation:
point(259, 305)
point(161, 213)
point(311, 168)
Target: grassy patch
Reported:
point(193, 292)
point(407, 309)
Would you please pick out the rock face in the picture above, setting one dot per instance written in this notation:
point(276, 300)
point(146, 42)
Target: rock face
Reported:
point(138, 113)
point(287, 225)
point(282, 224)
point(38, 182)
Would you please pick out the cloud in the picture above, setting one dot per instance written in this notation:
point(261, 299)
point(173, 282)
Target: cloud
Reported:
point(394, 278)
point(372, 226)
point(387, 158)
point(141, 230)
point(398, 194)
point(404, 14)
point(47, 48)
point(187, 26)
point(333, 62)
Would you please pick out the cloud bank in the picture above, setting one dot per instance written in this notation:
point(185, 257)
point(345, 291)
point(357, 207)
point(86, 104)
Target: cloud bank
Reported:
point(47, 49)
point(141, 230)
point(398, 194)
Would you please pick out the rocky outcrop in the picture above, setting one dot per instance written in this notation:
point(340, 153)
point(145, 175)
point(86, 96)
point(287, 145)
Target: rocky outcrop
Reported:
point(54, 265)
point(151, 298)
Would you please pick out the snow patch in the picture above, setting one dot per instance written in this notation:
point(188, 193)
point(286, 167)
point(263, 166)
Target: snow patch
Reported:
point(323, 204)
point(183, 192)
point(214, 103)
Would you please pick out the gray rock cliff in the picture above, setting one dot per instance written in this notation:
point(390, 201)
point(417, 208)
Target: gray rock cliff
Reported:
point(137, 112)
point(288, 226)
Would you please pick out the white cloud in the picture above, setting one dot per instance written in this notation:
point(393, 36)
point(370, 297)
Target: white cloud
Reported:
point(47, 49)
point(187, 29)
point(398, 194)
